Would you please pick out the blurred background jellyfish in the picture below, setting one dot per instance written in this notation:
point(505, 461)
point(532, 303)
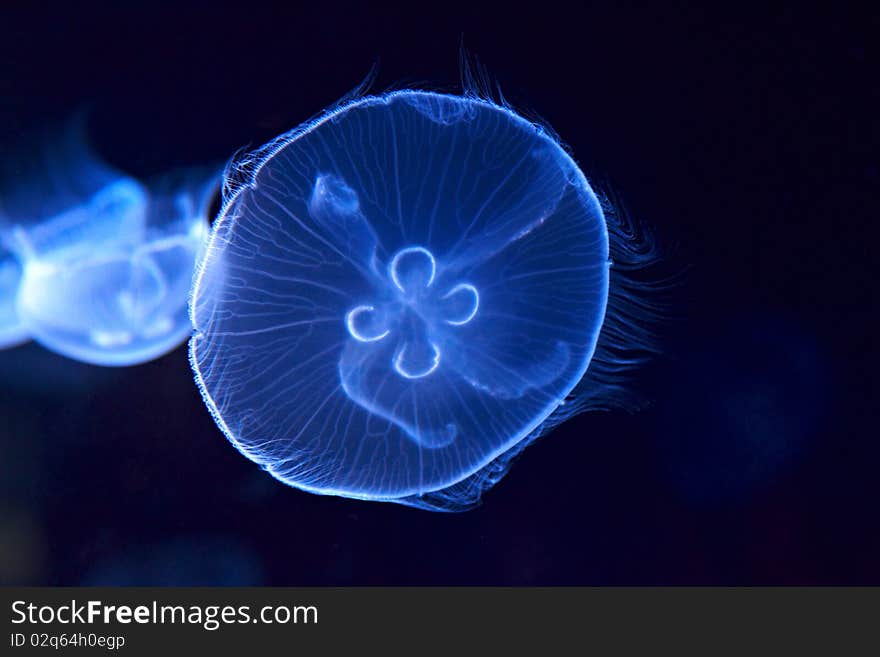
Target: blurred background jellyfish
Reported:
point(402, 294)
point(105, 261)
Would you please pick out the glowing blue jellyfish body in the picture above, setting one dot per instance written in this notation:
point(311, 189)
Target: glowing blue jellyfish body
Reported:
point(401, 295)
point(105, 262)
point(108, 282)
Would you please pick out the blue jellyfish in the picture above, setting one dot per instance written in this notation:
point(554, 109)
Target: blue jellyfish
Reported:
point(402, 294)
point(107, 263)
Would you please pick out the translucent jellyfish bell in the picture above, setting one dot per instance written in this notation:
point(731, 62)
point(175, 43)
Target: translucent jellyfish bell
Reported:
point(399, 297)
point(114, 299)
point(106, 279)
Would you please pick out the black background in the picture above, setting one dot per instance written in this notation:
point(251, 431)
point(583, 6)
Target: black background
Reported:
point(749, 141)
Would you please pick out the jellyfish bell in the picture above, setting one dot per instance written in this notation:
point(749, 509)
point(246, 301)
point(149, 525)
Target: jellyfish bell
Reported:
point(105, 260)
point(401, 295)
point(114, 215)
point(41, 195)
point(107, 283)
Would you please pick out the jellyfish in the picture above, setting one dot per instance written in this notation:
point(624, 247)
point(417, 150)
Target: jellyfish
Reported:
point(400, 295)
point(114, 298)
point(106, 261)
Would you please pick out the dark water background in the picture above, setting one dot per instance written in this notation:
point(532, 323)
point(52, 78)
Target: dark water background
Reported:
point(749, 142)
